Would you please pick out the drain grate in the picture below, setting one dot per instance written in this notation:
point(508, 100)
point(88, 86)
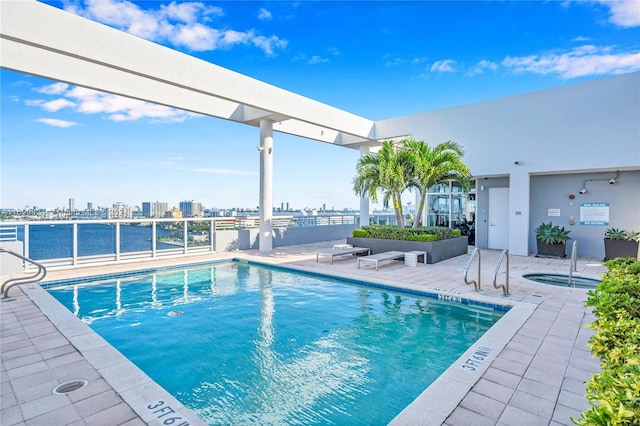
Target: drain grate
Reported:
point(69, 386)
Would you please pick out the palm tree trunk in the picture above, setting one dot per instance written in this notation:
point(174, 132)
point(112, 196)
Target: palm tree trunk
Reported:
point(397, 206)
point(418, 220)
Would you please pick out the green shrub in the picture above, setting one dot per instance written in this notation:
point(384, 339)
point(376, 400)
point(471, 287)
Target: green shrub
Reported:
point(427, 238)
point(360, 233)
point(429, 233)
point(613, 393)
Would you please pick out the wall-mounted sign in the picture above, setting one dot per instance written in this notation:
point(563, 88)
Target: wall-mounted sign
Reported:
point(594, 214)
point(553, 212)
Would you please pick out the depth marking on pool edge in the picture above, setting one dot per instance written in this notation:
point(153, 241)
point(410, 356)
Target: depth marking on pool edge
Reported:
point(477, 358)
point(161, 409)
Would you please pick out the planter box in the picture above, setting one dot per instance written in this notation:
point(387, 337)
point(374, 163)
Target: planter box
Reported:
point(551, 250)
point(620, 248)
point(437, 251)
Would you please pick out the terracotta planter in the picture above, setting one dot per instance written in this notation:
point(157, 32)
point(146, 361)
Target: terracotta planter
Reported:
point(620, 248)
point(551, 250)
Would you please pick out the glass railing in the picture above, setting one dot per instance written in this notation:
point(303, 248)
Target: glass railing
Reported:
point(81, 242)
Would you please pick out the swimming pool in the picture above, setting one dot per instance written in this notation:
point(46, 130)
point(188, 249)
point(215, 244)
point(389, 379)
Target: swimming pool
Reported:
point(240, 343)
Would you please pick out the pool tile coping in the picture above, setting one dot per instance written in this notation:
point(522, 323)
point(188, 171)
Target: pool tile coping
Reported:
point(135, 387)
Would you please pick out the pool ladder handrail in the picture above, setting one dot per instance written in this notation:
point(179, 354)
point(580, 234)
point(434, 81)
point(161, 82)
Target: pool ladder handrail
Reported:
point(29, 279)
point(475, 283)
point(573, 266)
point(505, 286)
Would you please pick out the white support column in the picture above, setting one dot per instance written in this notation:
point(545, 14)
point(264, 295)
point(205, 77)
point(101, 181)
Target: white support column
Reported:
point(364, 201)
point(519, 194)
point(266, 185)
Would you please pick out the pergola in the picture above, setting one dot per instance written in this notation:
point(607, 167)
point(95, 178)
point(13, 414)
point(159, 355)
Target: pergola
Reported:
point(45, 41)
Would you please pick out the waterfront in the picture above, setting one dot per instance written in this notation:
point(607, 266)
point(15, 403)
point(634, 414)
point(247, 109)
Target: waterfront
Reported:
point(94, 239)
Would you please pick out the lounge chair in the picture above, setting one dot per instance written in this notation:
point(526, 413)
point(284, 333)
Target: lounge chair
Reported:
point(352, 251)
point(380, 257)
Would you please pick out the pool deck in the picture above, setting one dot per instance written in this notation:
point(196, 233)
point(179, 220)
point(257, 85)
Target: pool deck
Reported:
point(529, 370)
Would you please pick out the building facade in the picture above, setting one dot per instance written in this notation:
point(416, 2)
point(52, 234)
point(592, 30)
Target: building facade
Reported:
point(154, 209)
point(191, 209)
point(533, 156)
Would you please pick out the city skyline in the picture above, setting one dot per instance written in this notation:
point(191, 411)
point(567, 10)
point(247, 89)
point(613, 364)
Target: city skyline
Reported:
point(375, 59)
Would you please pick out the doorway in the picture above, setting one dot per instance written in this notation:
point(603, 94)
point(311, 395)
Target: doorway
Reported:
point(498, 237)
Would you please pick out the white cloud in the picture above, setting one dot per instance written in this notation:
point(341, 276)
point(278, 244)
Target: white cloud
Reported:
point(444, 65)
point(57, 105)
point(391, 61)
point(53, 89)
point(581, 39)
point(181, 24)
point(269, 44)
point(114, 107)
point(315, 59)
point(264, 14)
point(196, 37)
point(481, 66)
point(334, 51)
point(581, 61)
point(624, 13)
point(189, 12)
point(55, 122)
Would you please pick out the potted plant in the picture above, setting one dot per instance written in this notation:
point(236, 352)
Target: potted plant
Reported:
point(620, 243)
point(552, 240)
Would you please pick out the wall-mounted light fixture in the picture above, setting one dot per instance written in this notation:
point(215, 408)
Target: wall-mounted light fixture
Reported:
point(611, 181)
point(259, 148)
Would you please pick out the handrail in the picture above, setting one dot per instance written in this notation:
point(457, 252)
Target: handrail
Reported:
point(505, 287)
point(573, 266)
point(475, 283)
point(37, 277)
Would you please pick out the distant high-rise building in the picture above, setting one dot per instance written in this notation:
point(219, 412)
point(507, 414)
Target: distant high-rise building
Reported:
point(72, 204)
point(191, 209)
point(119, 211)
point(90, 206)
point(154, 209)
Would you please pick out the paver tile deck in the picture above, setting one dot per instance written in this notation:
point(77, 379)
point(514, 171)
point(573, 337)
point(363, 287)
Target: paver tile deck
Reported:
point(536, 378)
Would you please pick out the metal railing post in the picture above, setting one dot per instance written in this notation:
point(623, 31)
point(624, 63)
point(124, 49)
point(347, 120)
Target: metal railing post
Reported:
point(154, 238)
point(117, 241)
point(505, 286)
point(476, 284)
point(74, 245)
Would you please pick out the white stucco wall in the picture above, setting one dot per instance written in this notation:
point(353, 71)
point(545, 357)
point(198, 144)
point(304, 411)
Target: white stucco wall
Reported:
point(587, 126)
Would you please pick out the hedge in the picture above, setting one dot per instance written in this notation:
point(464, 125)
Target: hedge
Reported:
point(391, 232)
point(614, 393)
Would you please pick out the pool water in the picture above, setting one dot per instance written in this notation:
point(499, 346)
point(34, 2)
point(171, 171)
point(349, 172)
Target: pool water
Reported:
point(250, 344)
point(563, 280)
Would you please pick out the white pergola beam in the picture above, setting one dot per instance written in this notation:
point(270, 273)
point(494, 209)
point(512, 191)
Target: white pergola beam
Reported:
point(42, 40)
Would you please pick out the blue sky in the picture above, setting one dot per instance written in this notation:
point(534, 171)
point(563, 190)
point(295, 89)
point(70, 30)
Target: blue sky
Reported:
point(375, 59)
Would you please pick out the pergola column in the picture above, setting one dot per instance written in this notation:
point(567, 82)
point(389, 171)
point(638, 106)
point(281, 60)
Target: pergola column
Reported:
point(266, 186)
point(364, 201)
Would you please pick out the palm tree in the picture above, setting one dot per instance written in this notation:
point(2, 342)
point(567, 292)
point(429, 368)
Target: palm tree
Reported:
point(430, 166)
point(386, 171)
